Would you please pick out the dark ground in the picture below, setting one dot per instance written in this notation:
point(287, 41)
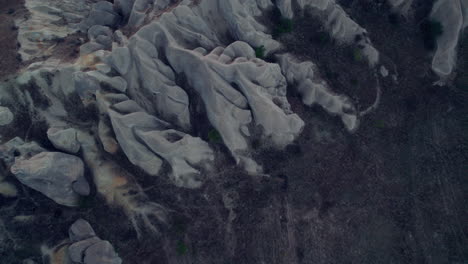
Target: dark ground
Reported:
point(9, 10)
point(392, 192)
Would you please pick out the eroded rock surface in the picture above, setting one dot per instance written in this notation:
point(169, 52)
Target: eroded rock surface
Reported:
point(452, 14)
point(53, 174)
point(6, 116)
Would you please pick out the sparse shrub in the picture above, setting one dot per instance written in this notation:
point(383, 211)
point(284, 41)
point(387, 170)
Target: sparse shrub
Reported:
point(321, 38)
point(431, 30)
point(357, 55)
point(285, 25)
point(379, 124)
point(260, 52)
point(181, 248)
point(214, 136)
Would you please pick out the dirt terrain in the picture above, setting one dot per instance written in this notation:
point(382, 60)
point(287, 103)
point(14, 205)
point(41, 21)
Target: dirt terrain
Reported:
point(9, 11)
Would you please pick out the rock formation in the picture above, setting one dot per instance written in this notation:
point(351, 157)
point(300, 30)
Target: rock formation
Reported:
point(57, 175)
point(453, 17)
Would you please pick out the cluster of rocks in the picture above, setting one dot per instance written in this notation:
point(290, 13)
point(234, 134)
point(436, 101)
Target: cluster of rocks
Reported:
point(83, 246)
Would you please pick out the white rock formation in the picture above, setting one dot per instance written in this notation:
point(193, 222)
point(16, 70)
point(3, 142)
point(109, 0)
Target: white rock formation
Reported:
point(147, 141)
point(54, 174)
point(315, 90)
point(233, 79)
point(6, 116)
point(337, 22)
point(453, 15)
point(64, 139)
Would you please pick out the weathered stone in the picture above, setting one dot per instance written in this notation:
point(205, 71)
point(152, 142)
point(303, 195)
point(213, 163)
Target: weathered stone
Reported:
point(64, 139)
point(6, 116)
point(101, 253)
point(52, 174)
point(80, 230)
point(76, 251)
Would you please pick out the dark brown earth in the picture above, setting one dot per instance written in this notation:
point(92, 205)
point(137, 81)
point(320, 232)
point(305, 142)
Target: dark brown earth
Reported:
point(9, 60)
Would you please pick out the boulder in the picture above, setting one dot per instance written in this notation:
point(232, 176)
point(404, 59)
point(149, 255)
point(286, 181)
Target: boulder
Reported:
point(64, 139)
point(52, 174)
point(6, 116)
point(452, 16)
point(87, 248)
point(101, 252)
point(80, 230)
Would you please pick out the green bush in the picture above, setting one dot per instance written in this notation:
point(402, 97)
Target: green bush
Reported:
point(285, 25)
point(357, 55)
point(181, 248)
point(214, 136)
point(260, 52)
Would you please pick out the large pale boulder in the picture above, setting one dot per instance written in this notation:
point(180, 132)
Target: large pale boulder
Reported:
point(53, 174)
point(452, 14)
point(6, 116)
point(147, 141)
point(64, 139)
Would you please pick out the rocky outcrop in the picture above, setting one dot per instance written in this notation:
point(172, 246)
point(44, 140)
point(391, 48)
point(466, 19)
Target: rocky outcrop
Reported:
point(87, 248)
point(453, 16)
point(315, 90)
point(238, 90)
point(147, 141)
point(57, 175)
